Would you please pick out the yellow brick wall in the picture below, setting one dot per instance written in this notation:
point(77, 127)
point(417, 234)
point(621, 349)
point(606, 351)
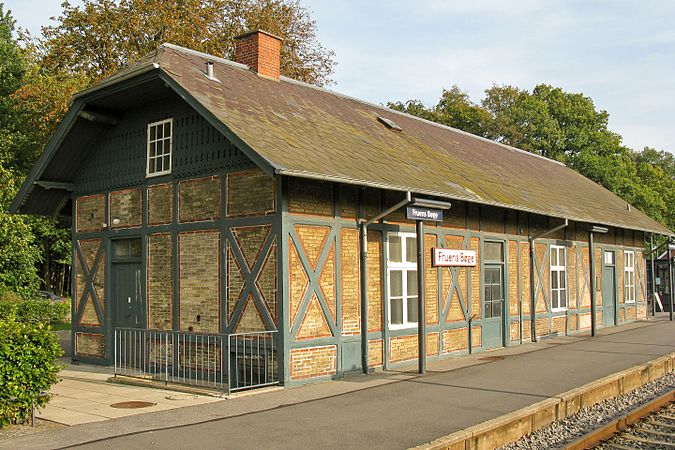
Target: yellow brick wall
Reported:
point(235, 282)
point(250, 319)
point(313, 362)
point(542, 282)
point(403, 348)
point(199, 199)
point(313, 240)
point(314, 323)
point(90, 344)
point(267, 281)
point(513, 279)
point(558, 325)
point(327, 281)
point(514, 331)
point(126, 207)
point(584, 274)
point(310, 197)
point(199, 281)
point(160, 204)
point(431, 281)
point(432, 344)
point(349, 263)
point(89, 316)
point(250, 193)
point(525, 278)
point(90, 213)
point(375, 352)
point(160, 281)
point(375, 309)
point(348, 201)
point(250, 241)
point(455, 340)
point(298, 280)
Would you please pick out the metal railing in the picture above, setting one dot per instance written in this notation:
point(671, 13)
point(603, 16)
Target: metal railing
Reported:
point(226, 362)
point(255, 360)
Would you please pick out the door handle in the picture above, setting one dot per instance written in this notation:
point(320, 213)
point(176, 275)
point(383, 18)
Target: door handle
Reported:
point(129, 300)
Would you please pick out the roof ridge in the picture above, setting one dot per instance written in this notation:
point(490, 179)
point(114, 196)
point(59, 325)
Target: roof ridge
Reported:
point(205, 55)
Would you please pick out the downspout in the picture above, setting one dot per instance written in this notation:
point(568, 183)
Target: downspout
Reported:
point(364, 275)
point(533, 291)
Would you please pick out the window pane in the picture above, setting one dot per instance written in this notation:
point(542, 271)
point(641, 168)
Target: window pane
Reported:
point(563, 299)
point(396, 311)
point(554, 280)
point(411, 250)
point(412, 282)
point(167, 147)
point(151, 168)
point(492, 275)
point(153, 147)
point(554, 299)
point(153, 133)
point(159, 131)
point(166, 162)
point(496, 293)
point(412, 309)
point(488, 294)
point(167, 129)
point(494, 251)
point(563, 284)
point(395, 283)
point(394, 248)
point(488, 310)
point(497, 309)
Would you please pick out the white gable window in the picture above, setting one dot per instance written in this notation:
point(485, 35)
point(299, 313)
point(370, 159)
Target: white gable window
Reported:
point(160, 143)
point(558, 279)
point(629, 276)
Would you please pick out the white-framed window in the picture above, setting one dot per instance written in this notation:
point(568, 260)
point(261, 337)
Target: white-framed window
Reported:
point(558, 278)
point(629, 276)
point(402, 279)
point(160, 143)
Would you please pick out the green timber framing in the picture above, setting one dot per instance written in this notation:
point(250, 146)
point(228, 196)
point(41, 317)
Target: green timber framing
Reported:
point(313, 227)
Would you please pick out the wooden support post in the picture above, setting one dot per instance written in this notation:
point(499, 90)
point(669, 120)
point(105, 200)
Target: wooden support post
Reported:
point(421, 310)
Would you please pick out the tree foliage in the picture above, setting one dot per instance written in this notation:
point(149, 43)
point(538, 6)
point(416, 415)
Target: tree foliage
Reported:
point(566, 127)
point(101, 36)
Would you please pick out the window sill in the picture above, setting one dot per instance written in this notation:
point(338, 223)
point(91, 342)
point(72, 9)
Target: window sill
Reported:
point(157, 174)
point(409, 326)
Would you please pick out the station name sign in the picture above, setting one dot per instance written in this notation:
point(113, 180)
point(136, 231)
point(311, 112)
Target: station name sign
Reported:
point(415, 213)
point(446, 257)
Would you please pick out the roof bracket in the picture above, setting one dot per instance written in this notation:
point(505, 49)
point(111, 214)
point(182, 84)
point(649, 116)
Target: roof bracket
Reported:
point(99, 117)
point(55, 185)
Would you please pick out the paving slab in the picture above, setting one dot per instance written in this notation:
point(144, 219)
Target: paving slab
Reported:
point(394, 409)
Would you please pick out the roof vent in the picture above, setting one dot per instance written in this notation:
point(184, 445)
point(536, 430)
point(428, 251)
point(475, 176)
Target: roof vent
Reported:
point(210, 73)
point(389, 123)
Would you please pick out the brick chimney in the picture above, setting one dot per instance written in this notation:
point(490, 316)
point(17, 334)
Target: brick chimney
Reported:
point(261, 51)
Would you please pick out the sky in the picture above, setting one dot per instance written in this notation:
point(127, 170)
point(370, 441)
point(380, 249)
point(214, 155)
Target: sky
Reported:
point(620, 53)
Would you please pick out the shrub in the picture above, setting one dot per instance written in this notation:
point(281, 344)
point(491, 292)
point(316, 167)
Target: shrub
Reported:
point(28, 353)
point(34, 310)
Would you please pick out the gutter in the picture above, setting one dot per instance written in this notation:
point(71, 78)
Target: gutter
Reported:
point(533, 290)
point(364, 275)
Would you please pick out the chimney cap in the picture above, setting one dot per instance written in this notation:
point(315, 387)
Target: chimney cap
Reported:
point(248, 33)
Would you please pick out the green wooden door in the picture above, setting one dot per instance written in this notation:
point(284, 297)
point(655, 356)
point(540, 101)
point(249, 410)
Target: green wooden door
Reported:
point(608, 289)
point(127, 299)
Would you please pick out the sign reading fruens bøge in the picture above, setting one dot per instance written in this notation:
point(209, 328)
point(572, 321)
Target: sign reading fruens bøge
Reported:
point(446, 257)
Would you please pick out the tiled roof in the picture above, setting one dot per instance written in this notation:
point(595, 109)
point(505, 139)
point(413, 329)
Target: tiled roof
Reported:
point(305, 131)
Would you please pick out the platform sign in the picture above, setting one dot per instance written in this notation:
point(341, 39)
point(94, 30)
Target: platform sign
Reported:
point(415, 213)
point(447, 257)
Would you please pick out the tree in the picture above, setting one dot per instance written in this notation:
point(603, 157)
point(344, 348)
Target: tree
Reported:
point(101, 36)
point(454, 109)
point(566, 127)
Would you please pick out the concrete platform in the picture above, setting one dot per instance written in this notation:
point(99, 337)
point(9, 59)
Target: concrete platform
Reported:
point(395, 409)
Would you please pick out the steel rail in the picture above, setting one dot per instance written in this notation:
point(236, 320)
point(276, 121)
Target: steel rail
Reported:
point(607, 431)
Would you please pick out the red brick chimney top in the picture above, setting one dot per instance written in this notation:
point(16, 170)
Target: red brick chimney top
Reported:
point(261, 51)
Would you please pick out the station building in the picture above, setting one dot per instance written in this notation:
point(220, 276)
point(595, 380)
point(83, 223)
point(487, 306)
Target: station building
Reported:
point(211, 197)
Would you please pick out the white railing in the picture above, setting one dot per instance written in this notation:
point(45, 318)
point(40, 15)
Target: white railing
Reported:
point(197, 359)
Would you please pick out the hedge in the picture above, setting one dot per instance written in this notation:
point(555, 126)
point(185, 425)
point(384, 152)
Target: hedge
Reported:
point(28, 353)
point(33, 310)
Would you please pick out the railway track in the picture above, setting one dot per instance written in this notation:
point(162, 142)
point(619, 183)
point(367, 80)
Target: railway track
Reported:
point(650, 426)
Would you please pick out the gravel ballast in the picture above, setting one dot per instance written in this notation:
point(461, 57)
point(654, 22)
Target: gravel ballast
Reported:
point(588, 418)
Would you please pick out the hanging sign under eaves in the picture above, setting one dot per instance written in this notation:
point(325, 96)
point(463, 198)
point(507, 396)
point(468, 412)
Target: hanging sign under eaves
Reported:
point(447, 257)
point(416, 213)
